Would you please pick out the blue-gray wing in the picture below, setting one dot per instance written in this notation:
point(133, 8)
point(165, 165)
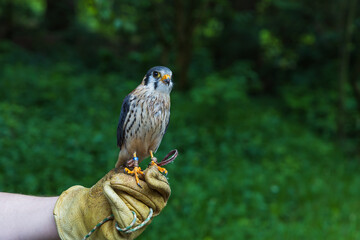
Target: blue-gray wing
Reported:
point(124, 112)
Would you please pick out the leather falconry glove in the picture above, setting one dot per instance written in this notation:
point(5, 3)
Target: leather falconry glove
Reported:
point(78, 209)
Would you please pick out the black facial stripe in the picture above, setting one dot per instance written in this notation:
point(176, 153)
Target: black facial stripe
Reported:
point(156, 84)
point(146, 81)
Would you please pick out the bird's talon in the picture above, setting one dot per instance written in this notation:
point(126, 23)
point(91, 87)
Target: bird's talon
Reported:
point(161, 169)
point(136, 171)
point(128, 171)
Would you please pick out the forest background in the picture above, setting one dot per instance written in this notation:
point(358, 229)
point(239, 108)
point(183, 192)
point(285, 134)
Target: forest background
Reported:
point(265, 109)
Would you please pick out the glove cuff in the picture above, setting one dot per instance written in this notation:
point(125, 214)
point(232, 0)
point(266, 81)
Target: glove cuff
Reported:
point(67, 214)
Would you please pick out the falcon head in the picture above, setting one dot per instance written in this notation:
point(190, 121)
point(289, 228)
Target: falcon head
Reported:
point(159, 79)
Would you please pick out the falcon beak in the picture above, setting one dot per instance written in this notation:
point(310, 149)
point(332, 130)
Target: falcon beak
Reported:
point(166, 79)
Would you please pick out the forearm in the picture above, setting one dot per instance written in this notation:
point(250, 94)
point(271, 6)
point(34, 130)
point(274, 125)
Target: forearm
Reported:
point(27, 217)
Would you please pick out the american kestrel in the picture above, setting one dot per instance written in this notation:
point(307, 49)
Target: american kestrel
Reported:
point(144, 117)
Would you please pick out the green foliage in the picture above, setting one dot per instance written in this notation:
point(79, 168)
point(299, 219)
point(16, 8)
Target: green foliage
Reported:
point(245, 170)
point(257, 129)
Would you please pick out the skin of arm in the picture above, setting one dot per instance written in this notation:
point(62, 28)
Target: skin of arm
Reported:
point(27, 217)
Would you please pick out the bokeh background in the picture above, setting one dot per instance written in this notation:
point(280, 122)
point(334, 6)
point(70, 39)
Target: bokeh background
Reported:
point(265, 110)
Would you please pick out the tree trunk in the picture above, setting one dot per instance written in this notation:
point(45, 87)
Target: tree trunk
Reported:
point(183, 42)
point(8, 21)
point(59, 15)
point(163, 39)
point(350, 11)
point(356, 91)
point(354, 82)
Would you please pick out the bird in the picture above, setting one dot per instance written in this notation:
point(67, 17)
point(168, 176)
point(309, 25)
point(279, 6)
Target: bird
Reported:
point(143, 121)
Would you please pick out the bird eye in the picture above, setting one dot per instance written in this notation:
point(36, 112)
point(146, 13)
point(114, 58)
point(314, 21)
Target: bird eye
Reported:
point(156, 74)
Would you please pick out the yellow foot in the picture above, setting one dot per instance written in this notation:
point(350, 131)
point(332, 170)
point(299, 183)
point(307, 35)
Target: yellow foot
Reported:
point(154, 162)
point(135, 171)
point(161, 169)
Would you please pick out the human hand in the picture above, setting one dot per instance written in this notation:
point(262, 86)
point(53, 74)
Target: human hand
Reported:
point(79, 209)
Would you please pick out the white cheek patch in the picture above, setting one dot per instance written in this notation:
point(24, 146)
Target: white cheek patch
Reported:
point(163, 88)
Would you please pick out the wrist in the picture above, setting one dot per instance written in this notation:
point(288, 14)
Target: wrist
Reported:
point(27, 217)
